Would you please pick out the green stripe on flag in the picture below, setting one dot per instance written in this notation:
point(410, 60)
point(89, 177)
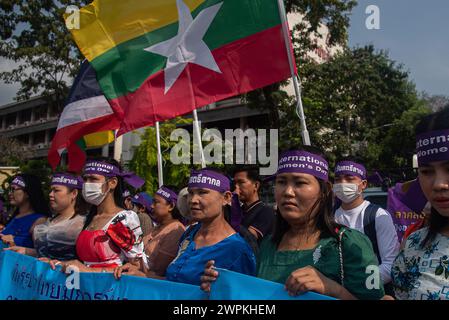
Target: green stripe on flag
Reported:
point(124, 68)
point(81, 144)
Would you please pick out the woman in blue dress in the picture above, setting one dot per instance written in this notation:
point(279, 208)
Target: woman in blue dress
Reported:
point(56, 237)
point(26, 195)
point(211, 238)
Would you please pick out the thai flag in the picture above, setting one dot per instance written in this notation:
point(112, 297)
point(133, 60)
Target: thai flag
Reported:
point(86, 111)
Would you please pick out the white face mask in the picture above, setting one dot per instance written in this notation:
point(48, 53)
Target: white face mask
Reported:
point(346, 192)
point(93, 194)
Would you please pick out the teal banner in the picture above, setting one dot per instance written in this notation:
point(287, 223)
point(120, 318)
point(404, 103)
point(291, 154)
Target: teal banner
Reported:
point(236, 286)
point(25, 278)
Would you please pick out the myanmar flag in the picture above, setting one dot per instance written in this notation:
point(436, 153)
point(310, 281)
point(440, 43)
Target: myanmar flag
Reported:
point(159, 59)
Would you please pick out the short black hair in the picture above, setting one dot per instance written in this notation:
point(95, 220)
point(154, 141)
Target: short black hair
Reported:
point(252, 171)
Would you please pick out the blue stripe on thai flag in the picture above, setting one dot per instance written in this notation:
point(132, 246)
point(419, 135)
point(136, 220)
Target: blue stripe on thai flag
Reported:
point(86, 111)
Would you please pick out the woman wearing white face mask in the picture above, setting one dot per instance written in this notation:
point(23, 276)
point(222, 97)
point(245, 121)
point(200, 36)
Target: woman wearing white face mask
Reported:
point(111, 235)
point(360, 214)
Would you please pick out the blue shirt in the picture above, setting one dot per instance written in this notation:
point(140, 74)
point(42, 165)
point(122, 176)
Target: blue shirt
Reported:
point(232, 253)
point(20, 229)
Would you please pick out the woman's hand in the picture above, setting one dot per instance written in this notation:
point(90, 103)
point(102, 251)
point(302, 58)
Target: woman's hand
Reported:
point(310, 279)
point(80, 267)
point(128, 269)
point(52, 262)
point(209, 276)
point(74, 264)
point(8, 239)
point(43, 259)
point(21, 250)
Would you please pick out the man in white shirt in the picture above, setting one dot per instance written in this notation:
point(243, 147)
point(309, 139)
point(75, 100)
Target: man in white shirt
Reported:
point(360, 214)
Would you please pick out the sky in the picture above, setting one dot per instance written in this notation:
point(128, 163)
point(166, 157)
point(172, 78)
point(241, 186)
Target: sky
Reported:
point(415, 33)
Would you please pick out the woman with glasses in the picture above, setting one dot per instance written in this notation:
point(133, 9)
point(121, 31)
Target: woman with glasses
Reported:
point(31, 209)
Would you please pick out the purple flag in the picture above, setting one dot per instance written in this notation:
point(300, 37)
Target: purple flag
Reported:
point(375, 178)
point(236, 212)
point(406, 203)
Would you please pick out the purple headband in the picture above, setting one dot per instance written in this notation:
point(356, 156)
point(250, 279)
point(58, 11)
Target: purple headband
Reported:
point(432, 146)
point(18, 181)
point(167, 194)
point(302, 162)
point(350, 168)
point(67, 180)
point(109, 170)
point(209, 180)
point(143, 199)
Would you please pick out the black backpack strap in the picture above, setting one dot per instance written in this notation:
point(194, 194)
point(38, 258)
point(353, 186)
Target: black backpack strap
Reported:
point(369, 227)
point(250, 239)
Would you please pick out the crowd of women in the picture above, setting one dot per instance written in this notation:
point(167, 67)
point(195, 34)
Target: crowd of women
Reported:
point(92, 223)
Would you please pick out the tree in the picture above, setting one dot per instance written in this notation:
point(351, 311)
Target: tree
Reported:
point(351, 102)
point(332, 14)
point(41, 169)
point(436, 102)
point(13, 152)
point(34, 36)
point(144, 162)
point(399, 143)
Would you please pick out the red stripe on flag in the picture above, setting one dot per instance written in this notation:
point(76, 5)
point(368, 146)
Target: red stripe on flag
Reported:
point(67, 136)
point(76, 158)
point(247, 64)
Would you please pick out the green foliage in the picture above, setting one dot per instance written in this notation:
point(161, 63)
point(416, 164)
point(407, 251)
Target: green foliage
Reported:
point(332, 14)
point(13, 152)
point(41, 169)
point(359, 103)
point(399, 143)
point(144, 162)
point(34, 36)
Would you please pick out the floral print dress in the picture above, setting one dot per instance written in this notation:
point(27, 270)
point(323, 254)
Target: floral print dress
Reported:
point(422, 273)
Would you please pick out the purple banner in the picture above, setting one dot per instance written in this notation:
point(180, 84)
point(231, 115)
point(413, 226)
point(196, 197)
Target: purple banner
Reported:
point(402, 215)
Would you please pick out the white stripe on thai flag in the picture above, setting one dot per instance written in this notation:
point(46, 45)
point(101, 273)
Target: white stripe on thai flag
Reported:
point(86, 111)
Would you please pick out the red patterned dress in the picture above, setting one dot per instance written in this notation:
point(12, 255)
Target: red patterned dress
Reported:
point(118, 242)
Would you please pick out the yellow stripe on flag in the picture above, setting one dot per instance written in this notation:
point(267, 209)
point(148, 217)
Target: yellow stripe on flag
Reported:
point(105, 24)
point(99, 139)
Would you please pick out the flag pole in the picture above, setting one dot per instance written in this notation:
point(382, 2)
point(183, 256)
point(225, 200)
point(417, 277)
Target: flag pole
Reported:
point(296, 83)
point(160, 174)
point(197, 132)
